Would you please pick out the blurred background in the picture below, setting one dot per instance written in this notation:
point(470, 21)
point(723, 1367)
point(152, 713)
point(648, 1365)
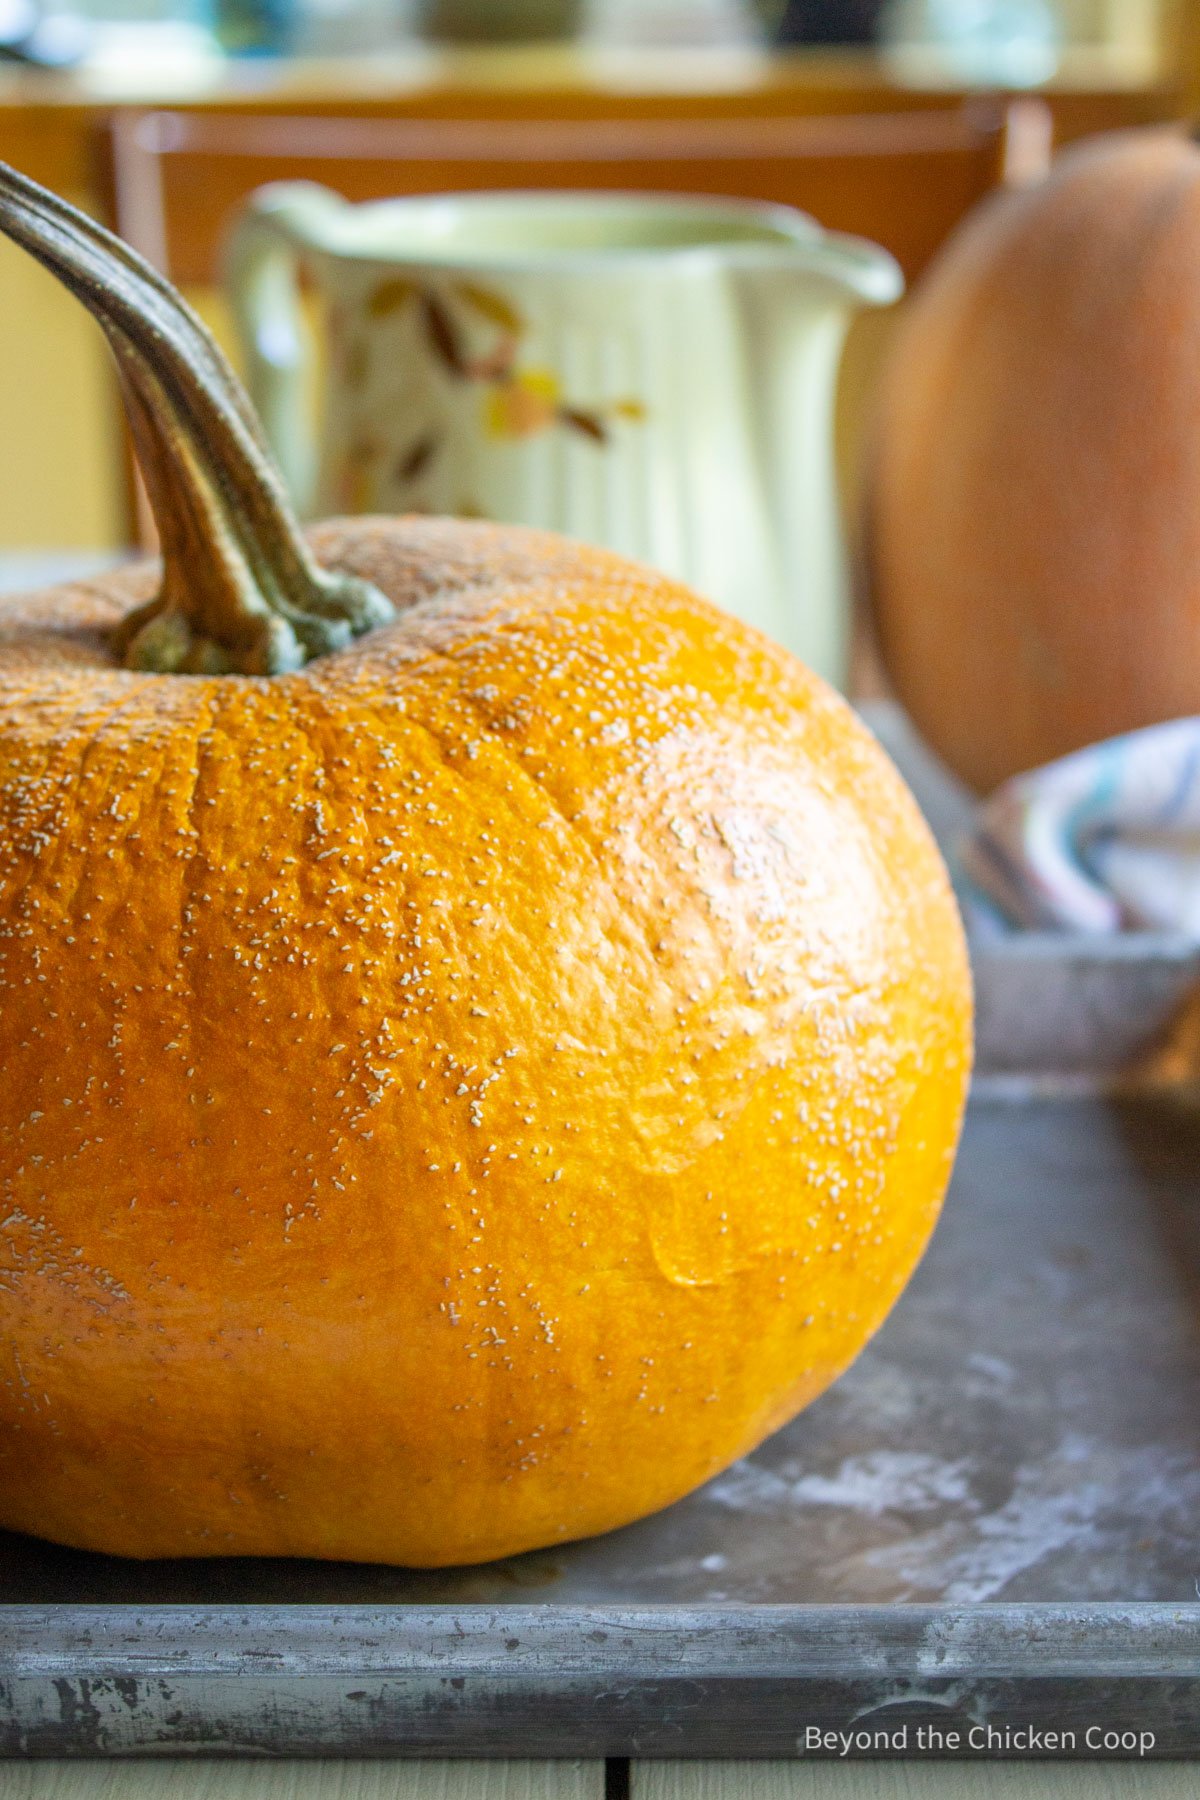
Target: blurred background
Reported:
point(118, 103)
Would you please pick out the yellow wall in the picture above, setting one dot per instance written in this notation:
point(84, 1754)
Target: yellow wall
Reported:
point(60, 470)
point(62, 484)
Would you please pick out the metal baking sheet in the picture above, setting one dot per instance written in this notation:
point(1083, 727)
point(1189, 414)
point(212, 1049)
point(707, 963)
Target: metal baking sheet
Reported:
point(992, 1522)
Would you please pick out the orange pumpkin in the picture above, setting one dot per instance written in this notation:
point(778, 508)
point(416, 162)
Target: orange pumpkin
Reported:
point(1035, 537)
point(460, 1089)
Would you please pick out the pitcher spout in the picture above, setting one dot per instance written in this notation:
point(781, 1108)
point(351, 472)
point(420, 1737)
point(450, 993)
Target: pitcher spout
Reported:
point(847, 271)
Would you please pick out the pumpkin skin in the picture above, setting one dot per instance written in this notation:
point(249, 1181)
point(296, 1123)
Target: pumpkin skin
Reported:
point(1035, 538)
point(459, 1095)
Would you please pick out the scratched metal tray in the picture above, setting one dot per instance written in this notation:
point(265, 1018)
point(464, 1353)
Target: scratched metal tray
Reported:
point(989, 1526)
point(994, 1518)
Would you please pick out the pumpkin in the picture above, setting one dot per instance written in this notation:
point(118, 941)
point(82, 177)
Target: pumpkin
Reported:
point(484, 1033)
point(1035, 542)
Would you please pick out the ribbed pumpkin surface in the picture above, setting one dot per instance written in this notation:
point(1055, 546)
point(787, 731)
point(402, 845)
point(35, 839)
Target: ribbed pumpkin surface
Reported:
point(461, 1095)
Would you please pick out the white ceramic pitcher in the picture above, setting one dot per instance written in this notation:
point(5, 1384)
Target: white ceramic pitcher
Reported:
point(651, 373)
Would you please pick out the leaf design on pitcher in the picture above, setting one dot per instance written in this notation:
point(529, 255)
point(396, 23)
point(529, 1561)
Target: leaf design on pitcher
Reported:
point(491, 306)
point(443, 333)
point(417, 458)
point(525, 403)
point(517, 402)
point(586, 422)
point(390, 296)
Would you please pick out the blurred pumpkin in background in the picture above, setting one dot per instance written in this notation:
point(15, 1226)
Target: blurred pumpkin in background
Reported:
point(1034, 510)
point(484, 1033)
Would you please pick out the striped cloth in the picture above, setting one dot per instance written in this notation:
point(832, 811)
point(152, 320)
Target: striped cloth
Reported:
point(1102, 841)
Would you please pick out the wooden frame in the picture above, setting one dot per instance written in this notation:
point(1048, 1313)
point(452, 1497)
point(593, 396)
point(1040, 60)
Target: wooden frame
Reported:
point(901, 179)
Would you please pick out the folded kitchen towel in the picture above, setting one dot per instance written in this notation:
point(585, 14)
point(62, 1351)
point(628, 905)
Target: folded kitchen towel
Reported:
point(1105, 840)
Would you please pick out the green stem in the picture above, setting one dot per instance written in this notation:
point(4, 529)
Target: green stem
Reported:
point(241, 592)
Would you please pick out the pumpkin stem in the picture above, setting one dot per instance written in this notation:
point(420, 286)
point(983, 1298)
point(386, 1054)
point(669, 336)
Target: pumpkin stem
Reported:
point(241, 592)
